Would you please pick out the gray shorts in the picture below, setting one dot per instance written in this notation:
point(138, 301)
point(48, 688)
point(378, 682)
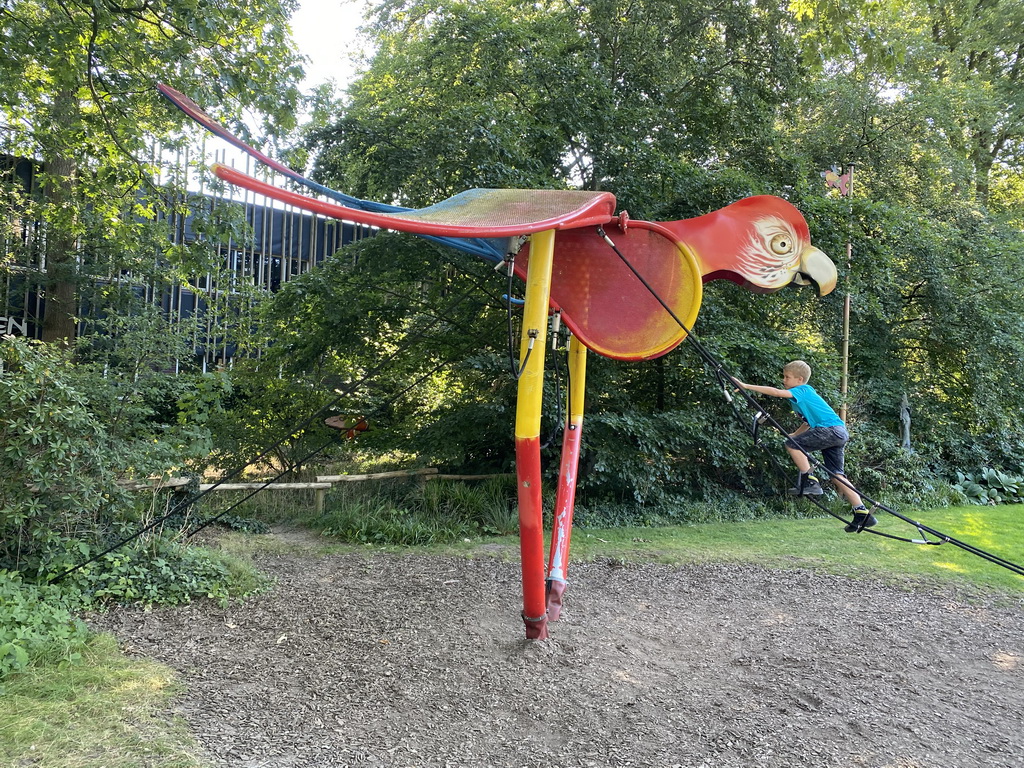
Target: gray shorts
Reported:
point(829, 440)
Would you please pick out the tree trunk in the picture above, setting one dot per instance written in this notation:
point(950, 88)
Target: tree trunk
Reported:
point(59, 321)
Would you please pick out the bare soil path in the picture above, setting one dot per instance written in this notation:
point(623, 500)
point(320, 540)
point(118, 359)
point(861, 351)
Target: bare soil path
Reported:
point(407, 660)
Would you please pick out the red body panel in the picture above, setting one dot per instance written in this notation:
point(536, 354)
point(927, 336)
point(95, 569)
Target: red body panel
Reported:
point(606, 306)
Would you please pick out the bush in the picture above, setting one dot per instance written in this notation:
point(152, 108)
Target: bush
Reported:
point(881, 468)
point(990, 486)
point(57, 467)
point(36, 621)
point(69, 435)
point(158, 572)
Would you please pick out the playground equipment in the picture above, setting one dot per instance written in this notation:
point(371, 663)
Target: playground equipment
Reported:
point(628, 290)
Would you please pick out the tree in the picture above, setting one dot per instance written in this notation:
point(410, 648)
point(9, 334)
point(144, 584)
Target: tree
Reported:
point(77, 96)
point(959, 64)
point(681, 108)
point(597, 96)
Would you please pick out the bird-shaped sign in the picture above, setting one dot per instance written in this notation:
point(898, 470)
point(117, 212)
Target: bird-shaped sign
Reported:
point(628, 290)
point(835, 181)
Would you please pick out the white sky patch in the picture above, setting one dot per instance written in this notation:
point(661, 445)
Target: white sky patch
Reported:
point(325, 32)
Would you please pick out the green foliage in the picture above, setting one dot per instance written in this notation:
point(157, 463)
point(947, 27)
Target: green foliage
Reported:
point(486, 504)
point(270, 418)
point(58, 467)
point(878, 465)
point(77, 95)
point(39, 624)
point(990, 486)
point(73, 441)
point(35, 622)
point(390, 330)
point(74, 437)
point(157, 573)
point(432, 513)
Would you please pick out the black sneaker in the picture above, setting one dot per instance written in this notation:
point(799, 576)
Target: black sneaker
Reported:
point(807, 485)
point(861, 519)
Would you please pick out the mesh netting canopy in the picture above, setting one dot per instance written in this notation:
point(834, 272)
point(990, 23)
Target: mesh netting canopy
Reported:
point(474, 213)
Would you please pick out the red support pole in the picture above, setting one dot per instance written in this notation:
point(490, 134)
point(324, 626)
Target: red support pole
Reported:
point(565, 497)
point(530, 398)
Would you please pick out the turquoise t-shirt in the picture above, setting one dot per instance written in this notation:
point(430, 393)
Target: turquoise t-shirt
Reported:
point(816, 412)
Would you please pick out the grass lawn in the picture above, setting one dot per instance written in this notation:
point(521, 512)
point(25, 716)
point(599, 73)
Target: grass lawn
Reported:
point(103, 712)
point(823, 544)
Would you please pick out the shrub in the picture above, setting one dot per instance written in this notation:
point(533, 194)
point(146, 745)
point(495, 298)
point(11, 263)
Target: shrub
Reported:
point(57, 465)
point(69, 434)
point(37, 620)
point(990, 486)
point(430, 513)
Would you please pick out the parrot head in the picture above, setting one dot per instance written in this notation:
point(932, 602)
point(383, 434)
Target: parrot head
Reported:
point(761, 242)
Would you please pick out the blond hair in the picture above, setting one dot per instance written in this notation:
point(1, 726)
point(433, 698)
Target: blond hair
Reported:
point(799, 369)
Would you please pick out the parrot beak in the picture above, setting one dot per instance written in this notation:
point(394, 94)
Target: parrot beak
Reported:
point(816, 267)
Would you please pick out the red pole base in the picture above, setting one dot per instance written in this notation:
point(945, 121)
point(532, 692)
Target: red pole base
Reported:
point(556, 588)
point(536, 629)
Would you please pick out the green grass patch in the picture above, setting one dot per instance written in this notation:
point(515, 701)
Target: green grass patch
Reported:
point(104, 711)
point(822, 544)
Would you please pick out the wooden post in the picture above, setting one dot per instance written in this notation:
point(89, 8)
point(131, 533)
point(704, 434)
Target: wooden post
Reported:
point(844, 383)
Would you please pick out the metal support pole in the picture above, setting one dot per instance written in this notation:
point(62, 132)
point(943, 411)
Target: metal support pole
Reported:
point(528, 410)
point(565, 497)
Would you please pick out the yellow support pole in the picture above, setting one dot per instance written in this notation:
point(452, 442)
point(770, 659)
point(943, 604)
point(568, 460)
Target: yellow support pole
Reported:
point(528, 412)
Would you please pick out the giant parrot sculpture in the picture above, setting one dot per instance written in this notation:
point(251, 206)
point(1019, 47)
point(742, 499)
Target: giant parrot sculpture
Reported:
point(628, 290)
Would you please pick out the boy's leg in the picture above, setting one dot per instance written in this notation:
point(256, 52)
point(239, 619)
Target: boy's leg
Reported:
point(833, 459)
point(845, 489)
point(799, 446)
point(799, 458)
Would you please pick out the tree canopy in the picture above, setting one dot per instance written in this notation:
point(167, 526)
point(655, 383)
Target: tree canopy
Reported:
point(77, 96)
point(681, 108)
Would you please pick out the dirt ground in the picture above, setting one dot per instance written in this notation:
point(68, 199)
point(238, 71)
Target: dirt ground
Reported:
point(399, 660)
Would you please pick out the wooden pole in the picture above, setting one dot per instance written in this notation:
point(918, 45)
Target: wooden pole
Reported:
point(844, 385)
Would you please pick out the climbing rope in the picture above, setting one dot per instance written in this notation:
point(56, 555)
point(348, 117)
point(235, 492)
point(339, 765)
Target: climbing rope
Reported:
point(762, 417)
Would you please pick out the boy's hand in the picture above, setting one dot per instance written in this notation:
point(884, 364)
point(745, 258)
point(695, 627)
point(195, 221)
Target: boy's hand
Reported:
point(739, 384)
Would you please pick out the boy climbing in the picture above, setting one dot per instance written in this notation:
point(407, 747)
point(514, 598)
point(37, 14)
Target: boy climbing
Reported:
point(823, 431)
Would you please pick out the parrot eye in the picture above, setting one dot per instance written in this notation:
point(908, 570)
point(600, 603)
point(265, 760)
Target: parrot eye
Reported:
point(781, 244)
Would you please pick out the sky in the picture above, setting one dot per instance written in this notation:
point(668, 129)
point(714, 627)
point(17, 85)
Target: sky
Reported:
point(324, 30)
